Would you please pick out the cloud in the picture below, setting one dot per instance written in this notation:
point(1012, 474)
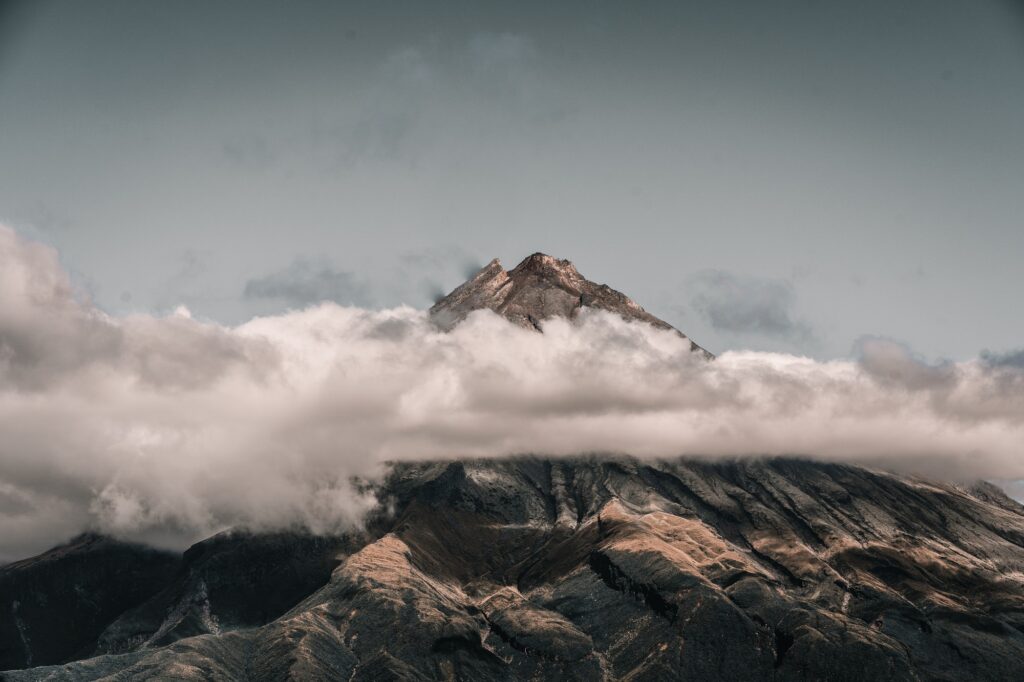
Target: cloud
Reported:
point(748, 305)
point(895, 364)
point(165, 429)
point(249, 150)
point(433, 272)
point(1008, 359)
point(308, 281)
point(433, 97)
point(500, 52)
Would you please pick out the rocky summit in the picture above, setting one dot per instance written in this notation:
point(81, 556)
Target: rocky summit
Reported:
point(586, 569)
point(539, 288)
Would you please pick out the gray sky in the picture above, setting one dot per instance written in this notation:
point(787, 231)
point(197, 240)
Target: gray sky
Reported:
point(779, 176)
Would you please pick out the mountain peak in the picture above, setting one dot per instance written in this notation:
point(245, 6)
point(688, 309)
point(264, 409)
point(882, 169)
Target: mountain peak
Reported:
point(540, 287)
point(542, 262)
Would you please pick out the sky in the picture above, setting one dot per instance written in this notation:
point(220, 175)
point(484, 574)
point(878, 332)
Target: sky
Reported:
point(221, 222)
point(786, 176)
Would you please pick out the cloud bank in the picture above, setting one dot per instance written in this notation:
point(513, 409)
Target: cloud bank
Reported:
point(168, 428)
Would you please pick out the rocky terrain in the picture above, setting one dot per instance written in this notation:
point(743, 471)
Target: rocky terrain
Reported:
point(55, 605)
point(580, 569)
point(593, 568)
point(539, 288)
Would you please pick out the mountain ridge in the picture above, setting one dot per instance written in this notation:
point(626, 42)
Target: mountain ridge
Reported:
point(613, 568)
point(539, 288)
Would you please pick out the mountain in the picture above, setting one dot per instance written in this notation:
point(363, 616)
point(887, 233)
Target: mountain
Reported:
point(538, 288)
point(589, 568)
point(55, 605)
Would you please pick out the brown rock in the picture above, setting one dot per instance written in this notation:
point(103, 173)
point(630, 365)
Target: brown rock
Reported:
point(539, 288)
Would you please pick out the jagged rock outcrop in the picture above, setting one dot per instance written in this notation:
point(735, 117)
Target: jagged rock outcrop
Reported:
point(621, 569)
point(539, 288)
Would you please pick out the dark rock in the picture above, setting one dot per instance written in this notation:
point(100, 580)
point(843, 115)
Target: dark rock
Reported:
point(230, 581)
point(55, 605)
point(617, 569)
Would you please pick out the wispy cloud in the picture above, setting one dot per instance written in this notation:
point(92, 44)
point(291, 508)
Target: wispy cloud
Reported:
point(426, 96)
point(435, 271)
point(249, 150)
point(748, 305)
point(308, 281)
point(1007, 359)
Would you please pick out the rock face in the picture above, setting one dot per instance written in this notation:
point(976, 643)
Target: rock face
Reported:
point(539, 288)
point(227, 582)
point(598, 569)
point(55, 605)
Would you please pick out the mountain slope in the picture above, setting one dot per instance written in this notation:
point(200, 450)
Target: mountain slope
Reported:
point(55, 605)
point(620, 569)
point(538, 288)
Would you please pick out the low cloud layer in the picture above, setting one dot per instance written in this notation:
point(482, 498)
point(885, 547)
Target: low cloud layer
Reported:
point(166, 429)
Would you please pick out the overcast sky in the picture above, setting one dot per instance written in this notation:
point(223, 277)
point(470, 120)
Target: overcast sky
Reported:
point(777, 176)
